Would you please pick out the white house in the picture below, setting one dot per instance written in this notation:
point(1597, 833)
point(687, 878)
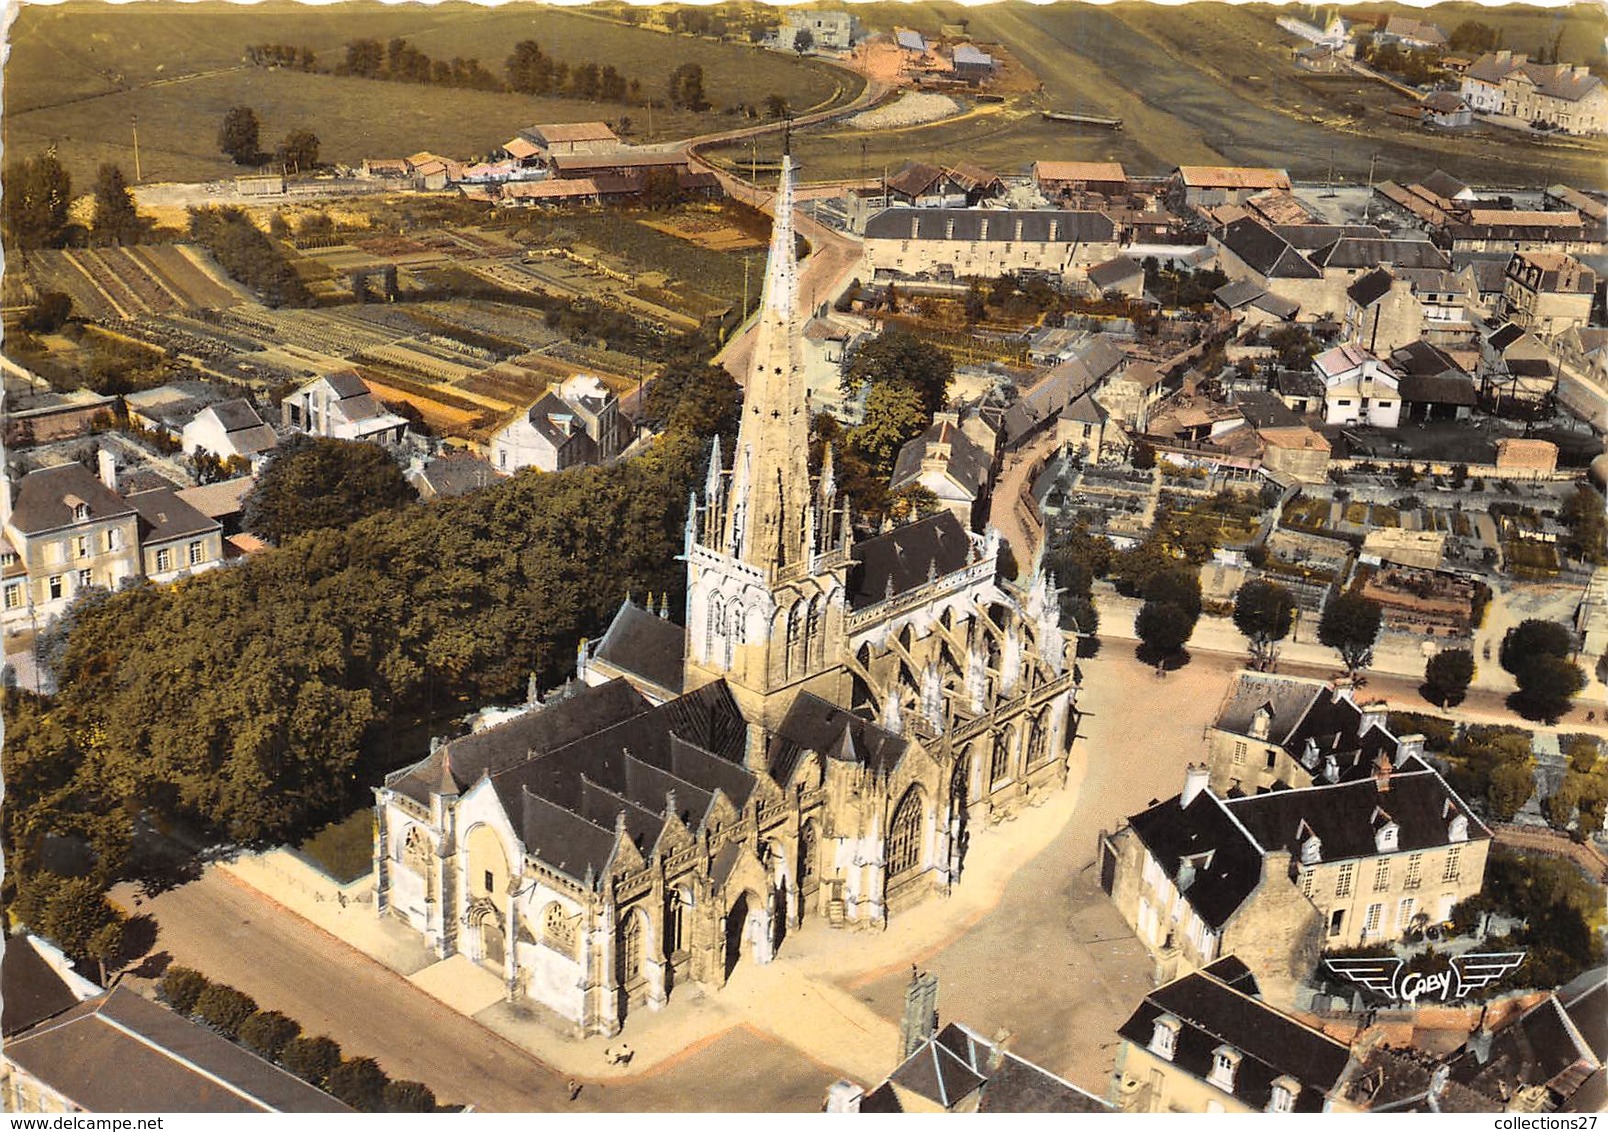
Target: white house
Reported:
point(573, 423)
point(1358, 388)
point(229, 430)
point(339, 405)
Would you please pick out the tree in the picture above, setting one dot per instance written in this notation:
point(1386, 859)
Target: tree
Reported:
point(316, 482)
point(358, 1082)
point(298, 152)
point(1583, 514)
point(687, 87)
point(1474, 37)
point(239, 134)
point(1350, 625)
point(50, 310)
point(1547, 684)
point(311, 1059)
point(1175, 585)
point(34, 204)
point(775, 106)
point(1511, 786)
point(225, 1008)
point(897, 357)
point(117, 221)
point(1264, 612)
point(1447, 676)
point(1532, 639)
point(696, 399)
point(803, 40)
point(105, 947)
point(893, 415)
point(181, 986)
point(73, 913)
point(408, 1096)
point(268, 1032)
point(1163, 627)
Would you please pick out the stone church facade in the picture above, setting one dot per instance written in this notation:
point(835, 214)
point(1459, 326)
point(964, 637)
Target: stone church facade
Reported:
point(815, 741)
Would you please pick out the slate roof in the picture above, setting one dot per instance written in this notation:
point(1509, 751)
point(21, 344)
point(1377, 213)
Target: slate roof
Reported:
point(1370, 288)
point(164, 1063)
point(892, 563)
point(164, 516)
point(1540, 1047)
point(1311, 237)
point(1586, 1000)
point(1444, 102)
point(967, 464)
point(346, 383)
point(1271, 1043)
point(814, 724)
point(42, 499)
point(1113, 272)
point(1262, 409)
point(1001, 224)
point(454, 473)
point(1449, 388)
point(957, 1062)
point(1299, 383)
point(1490, 69)
point(1228, 863)
point(645, 644)
point(30, 988)
point(1085, 410)
point(1265, 251)
point(1357, 252)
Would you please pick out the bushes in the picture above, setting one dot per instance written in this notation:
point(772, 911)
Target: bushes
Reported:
point(311, 1059)
point(359, 1082)
point(225, 1008)
point(181, 986)
point(408, 1096)
point(268, 1032)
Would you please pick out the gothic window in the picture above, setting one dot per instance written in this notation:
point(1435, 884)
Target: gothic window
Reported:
point(631, 949)
point(808, 848)
point(791, 656)
point(815, 637)
point(999, 764)
point(558, 929)
point(736, 631)
point(416, 851)
point(716, 628)
point(1037, 741)
point(904, 834)
point(678, 918)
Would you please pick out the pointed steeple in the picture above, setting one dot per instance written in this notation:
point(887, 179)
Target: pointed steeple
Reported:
point(767, 508)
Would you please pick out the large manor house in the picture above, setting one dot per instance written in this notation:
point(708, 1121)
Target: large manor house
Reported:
point(814, 742)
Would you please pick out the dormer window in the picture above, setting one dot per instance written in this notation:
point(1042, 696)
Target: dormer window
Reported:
point(1385, 837)
point(1282, 1098)
point(1164, 1037)
point(1225, 1064)
point(1457, 828)
point(1311, 845)
point(80, 512)
point(1261, 721)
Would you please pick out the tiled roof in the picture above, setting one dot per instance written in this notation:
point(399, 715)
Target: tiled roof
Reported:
point(570, 132)
point(1098, 171)
point(1232, 177)
point(998, 225)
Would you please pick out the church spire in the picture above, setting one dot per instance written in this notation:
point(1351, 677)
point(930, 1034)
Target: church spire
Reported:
point(770, 500)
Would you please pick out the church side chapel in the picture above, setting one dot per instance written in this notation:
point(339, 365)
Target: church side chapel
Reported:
point(815, 742)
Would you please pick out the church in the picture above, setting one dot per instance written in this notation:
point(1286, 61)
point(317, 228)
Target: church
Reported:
point(814, 741)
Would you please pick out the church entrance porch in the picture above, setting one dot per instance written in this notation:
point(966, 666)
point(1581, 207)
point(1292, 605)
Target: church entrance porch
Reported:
point(748, 928)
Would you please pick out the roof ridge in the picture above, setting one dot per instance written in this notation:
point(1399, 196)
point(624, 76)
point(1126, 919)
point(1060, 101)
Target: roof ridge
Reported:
point(1223, 805)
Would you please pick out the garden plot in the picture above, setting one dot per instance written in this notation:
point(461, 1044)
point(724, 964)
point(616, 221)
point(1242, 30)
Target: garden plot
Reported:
point(707, 231)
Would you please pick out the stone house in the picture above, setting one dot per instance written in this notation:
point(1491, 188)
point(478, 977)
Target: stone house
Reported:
point(1358, 388)
point(951, 244)
point(829, 30)
point(945, 461)
point(1568, 98)
point(574, 422)
point(1196, 186)
point(1382, 313)
point(1296, 451)
point(567, 138)
point(230, 430)
point(1208, 1043)
point(1058, 179)
point(1483, 83)
point(1547, 292)
point(176, 540)
point(1516, 371)
point(340, 406)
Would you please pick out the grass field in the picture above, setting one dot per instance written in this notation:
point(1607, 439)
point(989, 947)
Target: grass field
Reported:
point(1208, 84)
point(77, 73)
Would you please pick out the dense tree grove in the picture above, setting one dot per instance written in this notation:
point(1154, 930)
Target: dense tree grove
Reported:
point(258, 701)
point(399, 61)
point(686, 88)
point(33, 206)
point(530, 71)
point(315, 482)
point(248, 255)
point(897, 357)
point(298, 152)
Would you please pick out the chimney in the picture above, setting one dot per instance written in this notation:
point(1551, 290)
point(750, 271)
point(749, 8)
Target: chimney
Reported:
point(1371, 714)
point(1381, 773)
point(108, 469)
point(1195, 778)
point(996, 1050)
point(1409, 747)
point(843, 1096)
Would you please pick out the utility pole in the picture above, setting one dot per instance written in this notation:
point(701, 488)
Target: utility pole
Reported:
point(1367, 204)
point(134, 120)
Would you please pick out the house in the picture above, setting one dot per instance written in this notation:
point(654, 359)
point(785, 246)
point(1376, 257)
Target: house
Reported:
point(1130, 394)
point(1516, 371)
point(37, 982)
point(523, 151)
point(1513, 230)
point(1120, 276)
point(1274, 878)
point(230, 430)
point(576, 422)
point(1208, 1043)
point(1484, 82)
point(912, 41)
point(925, 186)
point(1520, 458)
point(952, 243)
point(1081, 427)
point(176, 540)
point(1446, 109)
point(557, 139)
point(1295, 451)
point(1448, 188)
point(1483, 280)
point(1203, 185)
point(829, 30)
point(828, 344)
point(1301, 390)
point(1382, 313)
point(339, 405)
point(1059, 179)
point(1443, 297)
point(1358, 387)
point(163, 1063)
point(1433, 386)
point(1249, 251)
point(168, 408)
point(945, 461)
point(1564, 97)
point(582, 190)
point(1548, 1059)
point(1094, 360)
point(1410, 33)
point(451, 473)
point(1252, 305)
point(1586, 349)
point(978, 184)
point(224, 501)
point(971, 63)
point(1547, 292)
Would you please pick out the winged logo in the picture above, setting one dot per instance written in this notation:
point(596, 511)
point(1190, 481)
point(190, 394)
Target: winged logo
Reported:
point(1388, 977)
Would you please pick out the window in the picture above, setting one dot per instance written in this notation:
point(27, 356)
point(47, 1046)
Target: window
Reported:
point(1225, 1062)
point(1308, 882)
point(1342, 882)
point(1381, 876)
point(1164, 1037)
point(1453, 864)
point(1344, 404)
point(114, 540)
point(999, 765)
point(1283, 1095)
point(164, 560)
point(195, 553)
point(80, 546)
point(490, 882)
point(55, 587)
point(1415, 869)
point(81, 512)
point(8, 558)
point(1337, 920)
point(86, 578)
point(502, 458)
point(1239, 752)
point(904, 834)
point(558, 930)
point(1272, 758)
point(631, 949)
point(1370, 922)
point(1385, 404)
point(1404, 912)
point(14, 595)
